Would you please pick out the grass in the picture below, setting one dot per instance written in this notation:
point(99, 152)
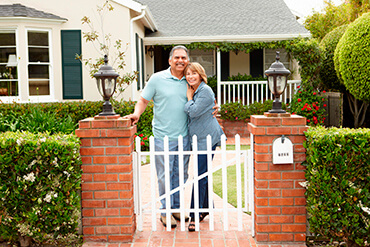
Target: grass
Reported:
point(231, 180)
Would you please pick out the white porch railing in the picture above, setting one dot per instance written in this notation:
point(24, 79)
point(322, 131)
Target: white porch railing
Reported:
point(248, 92)
point(149, 205)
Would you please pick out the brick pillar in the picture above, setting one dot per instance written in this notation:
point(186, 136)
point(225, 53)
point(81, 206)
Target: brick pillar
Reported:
point(107, 144)
point(280, 204)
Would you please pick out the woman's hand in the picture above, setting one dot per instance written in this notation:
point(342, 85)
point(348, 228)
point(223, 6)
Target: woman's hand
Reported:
point(190, 92)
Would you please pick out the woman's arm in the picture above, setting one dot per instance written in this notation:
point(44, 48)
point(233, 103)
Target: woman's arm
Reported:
point(203, 103)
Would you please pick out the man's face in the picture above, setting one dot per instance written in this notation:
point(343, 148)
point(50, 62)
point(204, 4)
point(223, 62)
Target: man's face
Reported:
point(179, 61)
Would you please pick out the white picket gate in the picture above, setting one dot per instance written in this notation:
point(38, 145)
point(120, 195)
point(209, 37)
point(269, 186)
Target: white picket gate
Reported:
point(148, 208)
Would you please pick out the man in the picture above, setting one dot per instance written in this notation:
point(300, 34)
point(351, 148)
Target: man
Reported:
point(168, 89)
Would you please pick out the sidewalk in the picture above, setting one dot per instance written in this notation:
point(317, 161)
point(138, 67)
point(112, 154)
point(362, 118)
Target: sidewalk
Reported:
point(178, 238)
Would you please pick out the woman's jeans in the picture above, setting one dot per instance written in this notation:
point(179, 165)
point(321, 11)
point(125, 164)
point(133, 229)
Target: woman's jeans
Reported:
point(174, 170)
point(202, 184)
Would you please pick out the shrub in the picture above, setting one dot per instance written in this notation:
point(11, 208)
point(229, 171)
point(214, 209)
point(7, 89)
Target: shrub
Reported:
point(328, 75)
point(308, 103)
point(338, 183)
point(59, 113)
point(39, 182)
point(235, 111)
point(352, 58)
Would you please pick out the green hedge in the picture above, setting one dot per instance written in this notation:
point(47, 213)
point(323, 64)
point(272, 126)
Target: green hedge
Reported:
point(338, 183)
point(236, 111)
point(14, 115)
point(40, 176)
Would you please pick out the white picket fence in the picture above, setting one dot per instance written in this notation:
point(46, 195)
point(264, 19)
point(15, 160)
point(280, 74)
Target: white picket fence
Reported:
point(248, 92)
point(149, 207)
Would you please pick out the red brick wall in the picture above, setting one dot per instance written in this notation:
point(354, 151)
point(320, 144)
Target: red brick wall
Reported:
point(107, 144)
point(280, 204)
point(231, 128)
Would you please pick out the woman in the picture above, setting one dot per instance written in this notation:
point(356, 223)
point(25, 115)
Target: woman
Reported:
point(201, 123)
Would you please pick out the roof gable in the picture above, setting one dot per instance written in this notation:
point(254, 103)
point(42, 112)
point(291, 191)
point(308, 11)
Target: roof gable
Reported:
point(209, 18)
point(19, 10)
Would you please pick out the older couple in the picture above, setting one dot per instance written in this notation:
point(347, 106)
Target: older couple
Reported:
point(183, 105)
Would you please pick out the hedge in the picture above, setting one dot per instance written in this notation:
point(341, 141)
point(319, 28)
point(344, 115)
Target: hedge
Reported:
point(40, 175)
point(338, 183)
point(76, 110)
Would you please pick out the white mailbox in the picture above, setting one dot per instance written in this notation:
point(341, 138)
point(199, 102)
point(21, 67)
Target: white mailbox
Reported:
point(282, 151)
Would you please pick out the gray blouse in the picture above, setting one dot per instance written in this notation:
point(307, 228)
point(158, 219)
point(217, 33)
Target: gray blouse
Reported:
point(201, 121)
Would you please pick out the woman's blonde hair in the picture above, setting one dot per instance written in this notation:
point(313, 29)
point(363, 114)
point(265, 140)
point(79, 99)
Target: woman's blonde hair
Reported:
point(196, 67)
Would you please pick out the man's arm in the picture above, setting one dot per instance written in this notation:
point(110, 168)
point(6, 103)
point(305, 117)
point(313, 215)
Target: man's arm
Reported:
point(139, 109)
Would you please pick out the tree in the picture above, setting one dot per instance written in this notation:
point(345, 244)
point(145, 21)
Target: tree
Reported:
point(319, 24)
point(103, 44)
point(352, 60)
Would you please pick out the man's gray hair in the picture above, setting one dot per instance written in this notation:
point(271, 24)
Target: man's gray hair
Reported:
point(179, 47)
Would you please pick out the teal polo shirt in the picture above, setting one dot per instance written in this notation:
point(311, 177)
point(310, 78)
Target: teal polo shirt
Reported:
point(169, 97)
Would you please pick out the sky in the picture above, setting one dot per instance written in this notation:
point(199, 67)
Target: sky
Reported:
point(305, 8)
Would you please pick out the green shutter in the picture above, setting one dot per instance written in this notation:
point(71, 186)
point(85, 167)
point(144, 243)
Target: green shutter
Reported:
point(71, 67)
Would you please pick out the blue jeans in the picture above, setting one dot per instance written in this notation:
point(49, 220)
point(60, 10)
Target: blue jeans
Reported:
point(202, 184)
point(174, 170)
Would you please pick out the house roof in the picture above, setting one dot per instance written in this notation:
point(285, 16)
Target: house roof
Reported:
point(19, 10)
point(220, 20)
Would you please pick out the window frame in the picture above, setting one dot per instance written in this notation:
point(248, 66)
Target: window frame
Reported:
point(13, 98)
point(51, 96)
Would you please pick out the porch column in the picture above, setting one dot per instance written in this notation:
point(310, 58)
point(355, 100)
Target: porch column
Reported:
point(280, 204)
point(107, 144)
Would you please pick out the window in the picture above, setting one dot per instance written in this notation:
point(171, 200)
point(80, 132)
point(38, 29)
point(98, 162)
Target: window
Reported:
point(205, 58)
point(8, 64)
point(38, 62)
point(270, 57)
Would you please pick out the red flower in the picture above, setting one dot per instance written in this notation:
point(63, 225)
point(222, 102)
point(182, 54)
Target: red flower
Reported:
point(299, 92)
point(142, 143)
point(145, 138)
point(135, 136)
point(141, 135)
point(299, 100)
point(324, 105)
point(298, 86)
point(236, 118)
point(324, 91)
point(314, 93)
point(225, 111)
point(308, 120)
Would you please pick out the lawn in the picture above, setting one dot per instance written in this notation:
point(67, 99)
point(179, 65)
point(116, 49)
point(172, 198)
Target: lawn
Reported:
point(231, 180)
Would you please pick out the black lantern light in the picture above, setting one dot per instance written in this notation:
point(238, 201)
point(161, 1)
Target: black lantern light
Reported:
point(106, 79)
point(277, 77)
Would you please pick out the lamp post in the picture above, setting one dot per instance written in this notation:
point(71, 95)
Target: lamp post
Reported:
point(106, 79)
point(277, 77)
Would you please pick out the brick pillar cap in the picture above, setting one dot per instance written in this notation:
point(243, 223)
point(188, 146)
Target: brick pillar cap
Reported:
point(97, 117)
point(269, 114)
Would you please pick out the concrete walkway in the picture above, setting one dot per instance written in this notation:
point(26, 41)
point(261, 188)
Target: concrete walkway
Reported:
point(178, 238)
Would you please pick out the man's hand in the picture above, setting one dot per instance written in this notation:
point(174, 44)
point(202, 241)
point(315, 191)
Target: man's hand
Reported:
point(216, 107)
point(139, 109)
point(134, 118)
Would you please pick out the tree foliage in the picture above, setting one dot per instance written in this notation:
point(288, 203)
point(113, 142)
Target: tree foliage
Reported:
point(328, 75)
point(319, 24)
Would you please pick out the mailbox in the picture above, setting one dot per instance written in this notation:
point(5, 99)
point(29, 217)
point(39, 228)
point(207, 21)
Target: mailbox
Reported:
point(282, 151)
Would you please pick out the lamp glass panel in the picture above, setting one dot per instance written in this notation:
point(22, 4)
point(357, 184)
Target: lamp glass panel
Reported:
point(99, 85)
point(271, 84)
point(109, 87)
point(280, 84)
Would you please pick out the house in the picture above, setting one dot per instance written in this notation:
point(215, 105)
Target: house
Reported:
point(40, 39)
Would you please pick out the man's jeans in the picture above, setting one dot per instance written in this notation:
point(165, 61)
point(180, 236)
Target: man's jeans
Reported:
point(174, 170)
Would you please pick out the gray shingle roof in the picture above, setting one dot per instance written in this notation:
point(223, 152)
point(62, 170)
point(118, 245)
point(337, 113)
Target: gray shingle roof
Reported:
point(19, 10)
point(176, 18)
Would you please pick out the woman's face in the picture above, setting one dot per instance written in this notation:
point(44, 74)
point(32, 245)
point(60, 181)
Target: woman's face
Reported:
point(193, 78)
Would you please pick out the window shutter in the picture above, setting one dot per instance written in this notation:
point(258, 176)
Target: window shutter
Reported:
point(142, 71)
point(138, 61)
point(71, 67)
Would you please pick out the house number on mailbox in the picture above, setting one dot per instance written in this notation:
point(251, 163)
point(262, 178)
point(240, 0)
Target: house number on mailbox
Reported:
point(282, 151)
